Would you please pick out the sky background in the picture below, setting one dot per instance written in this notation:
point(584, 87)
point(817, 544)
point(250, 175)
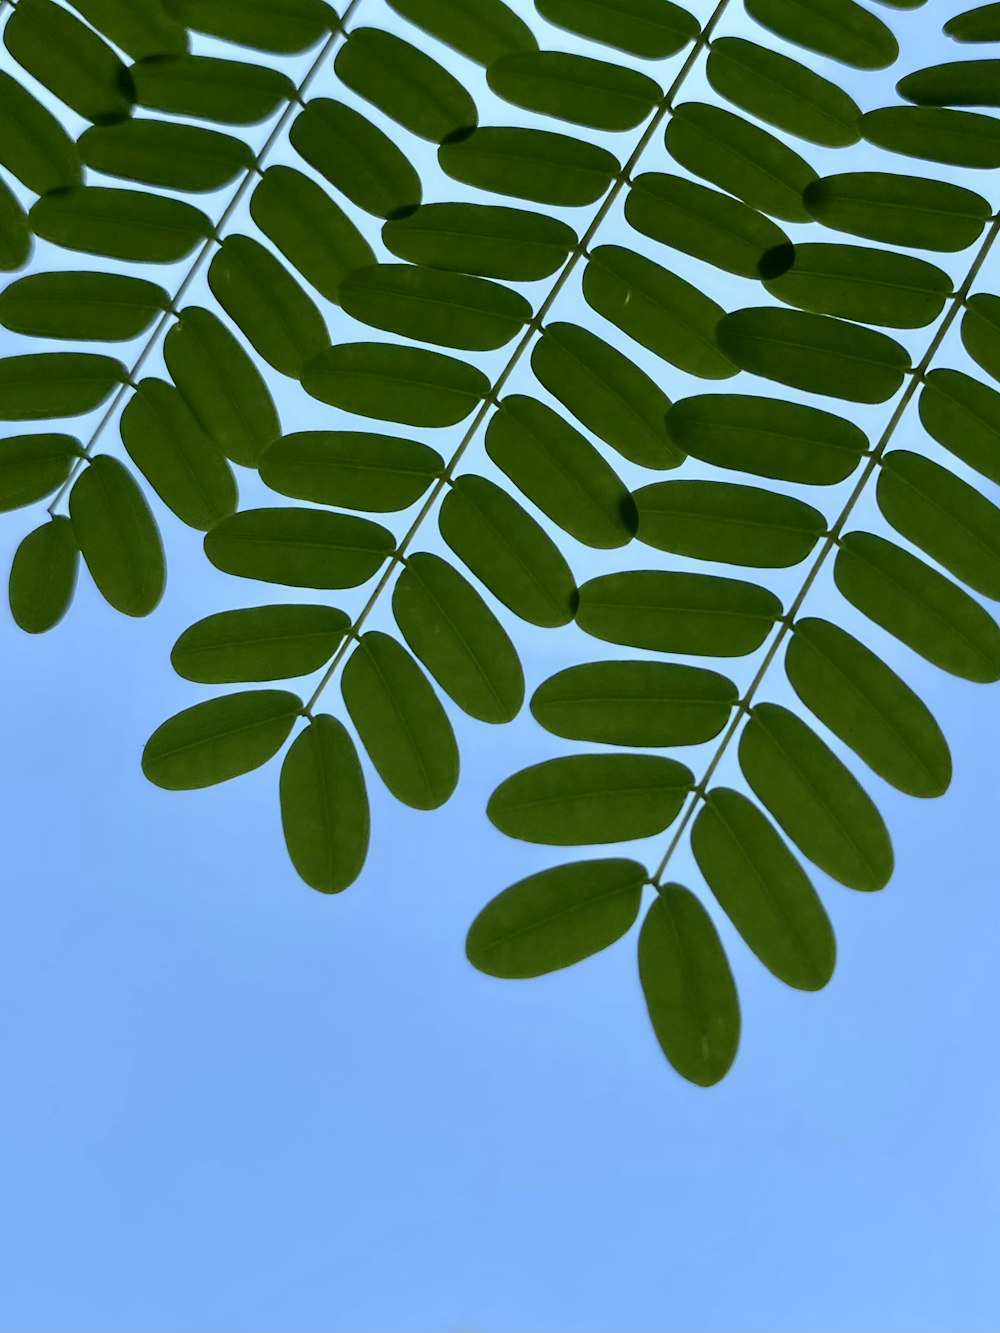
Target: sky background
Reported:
point(229, 1102)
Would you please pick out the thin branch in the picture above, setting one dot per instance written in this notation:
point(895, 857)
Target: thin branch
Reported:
point(239, 194)
point(531, 331)
point(831, 540)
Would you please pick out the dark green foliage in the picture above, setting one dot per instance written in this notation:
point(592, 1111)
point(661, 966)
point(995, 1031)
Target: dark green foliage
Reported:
point(302, 548)
point(486, 239)
point(70, 60)
point(406, 85)
point(33, 466)
point(43, 576)
point(118, 537)
point(404, 384)
point(324, 806)
point(219, 739)
point(122, 224)
point(81, 307)
point(259, 643)
point(351, 469)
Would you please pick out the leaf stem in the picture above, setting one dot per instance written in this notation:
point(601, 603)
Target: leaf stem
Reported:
point(830, 541)
point(291, 106)
point(532, 328)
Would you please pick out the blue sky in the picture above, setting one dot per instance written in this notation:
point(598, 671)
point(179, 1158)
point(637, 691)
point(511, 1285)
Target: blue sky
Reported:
point(229, 1102)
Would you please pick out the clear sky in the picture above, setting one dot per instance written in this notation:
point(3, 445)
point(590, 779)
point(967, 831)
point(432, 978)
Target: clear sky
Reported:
point(231, 1103)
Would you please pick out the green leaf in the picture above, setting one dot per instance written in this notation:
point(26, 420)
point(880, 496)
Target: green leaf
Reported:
point(508, 551)
point(635, 703)
point(959, 138)
point(259, 643)
point(311, 231)
point(584, 91)
point(660, 311)
point(775, 88)
point(964, 416)
point(56, 384)
point(222, 385)
point(561, 472)
point(606, 393)
point(482, 30)
point(231, 92)
point(118, 537)
point(959, 83)
point(704, 223)
point(450, 309)
point(981, 24)
point(139, 27)
point(485, 239)
point(739, 157)
point(33, 466)
point(324, 806)
point(158, 152)
point(814, 352)
point(183, 465)
point(591, 798)
point(93, 307)
point(863, 284)
point(651, 29)
point(405, 384)
point(15, 239)
point(43, 576)
point(285, 29)
point(689, 990)
point(350, 469)
point(556, 918)
point(400, 721)
point(922, 608)
point(356, 158)
point(840, 29)
point(219, 739)
point(816, 800)
point(852, 691)
point(122, 224)
point(69, 59)
point(301, 548)
point(944, 516)
point(763, 890)
point(406, 85)
point(716, 520)
point(899, 210)
point(981, 332)
point(458, 638)
point(34, 147)
point(696, 614)
point(265, 302)
point(768, 437)
point(531, 164)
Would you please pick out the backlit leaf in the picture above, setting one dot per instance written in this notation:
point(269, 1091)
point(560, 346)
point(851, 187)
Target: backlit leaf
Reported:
point(767, 436)
point(964, 416)
point(457, 637)
point(635, 703)
point(140, 27)
point(92, 307)
point(863, 284)
point(763, 890)
point(959, 138)
point(324, 806)
point(840, 29)
point(485, 239)
point(69, 59)
point(852, 691)
point(739, 157)
point(576, 88)
point(531, 164)
point(184, 466)
point(695, 614)
point(158, 152)
point(406, 384)
point(401, 723)
point(508, 551)
point(921, 607)
point(222, 385)
point(981, 24)
point(899, 210)
point(219, 739)
point(33, 466)
point(483, 30)
point(738, 525)
point(356, 158)
point(556, 918)
point(688, 987)
point(118, 537)
point(56, 384)
point(350, 469)
point(606, 392)
point(981, 332)
point(122, 224)
point(560, 471)
point(43, 576)
point(302, 548)
point(34, 147)
point(259, 643)
point(15, 239)
point(591, 798)
point(958, 83)
point(814, 352)
point(229, 92)
point(406, 85)
point(661, 311)
point(285, 29)
point(651, 29)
